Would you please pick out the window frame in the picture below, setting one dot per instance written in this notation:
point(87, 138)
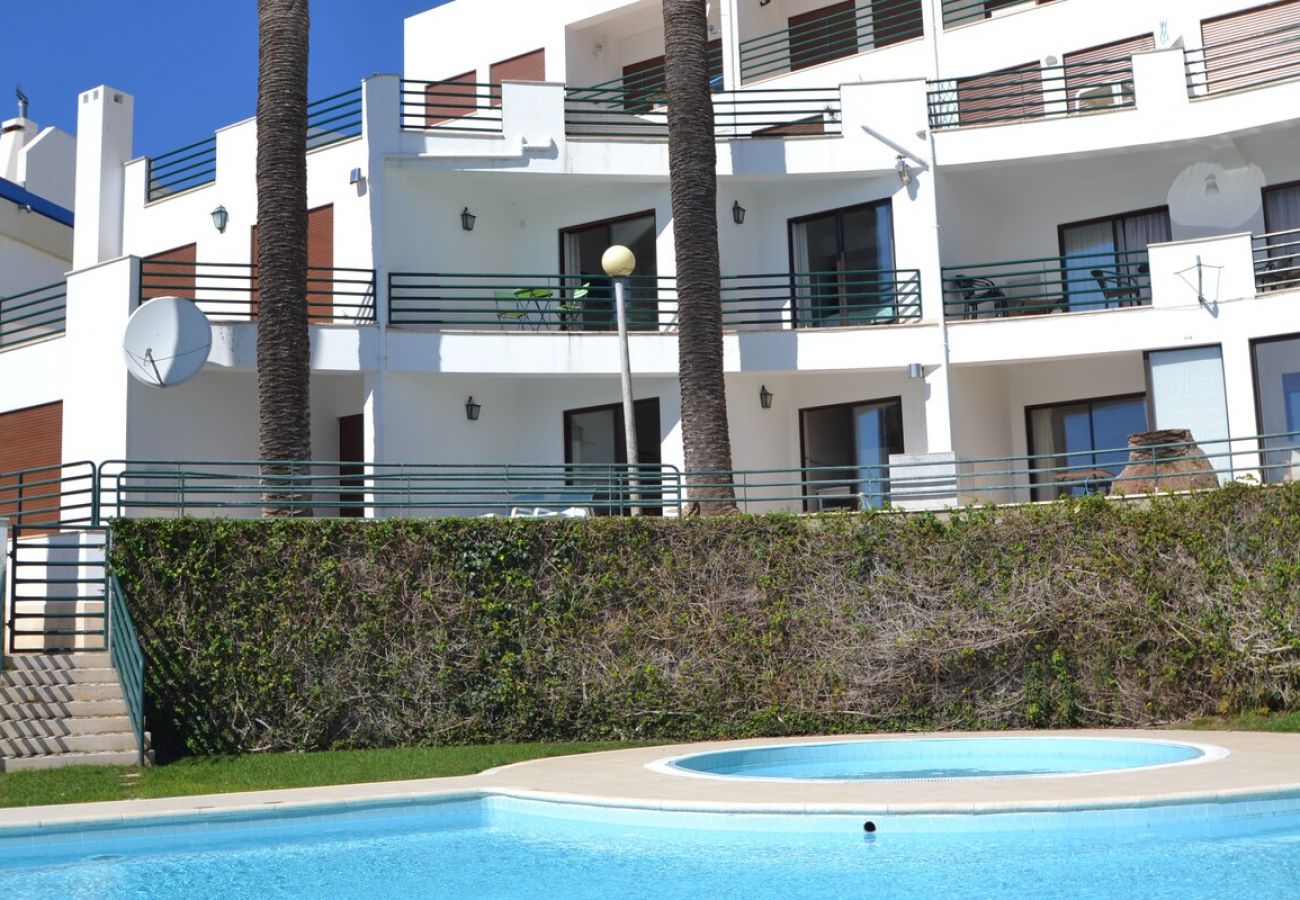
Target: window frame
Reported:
point(850, 404)
point(838, 212)
point(1030, 409)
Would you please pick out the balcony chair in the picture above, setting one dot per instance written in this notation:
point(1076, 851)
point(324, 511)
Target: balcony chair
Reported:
point(977, 291)
point(1278, 274)
point(511, 308)
point(1121, 288)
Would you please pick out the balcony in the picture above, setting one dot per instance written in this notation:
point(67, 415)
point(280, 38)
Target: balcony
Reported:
point(833, 32)
point(1054, 284)
point(584, 303)
point(1032, 91)
point(32, 315)
point(963, 12)
point(460, 106)
point(1277, 260)
point(1259, 58)
point(229, 291)
point(619, 111)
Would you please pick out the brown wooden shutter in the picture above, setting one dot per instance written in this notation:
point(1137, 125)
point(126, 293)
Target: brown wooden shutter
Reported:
point(30, 438)
point(173, 280)
point(320, 258)
point(450, 98)
point(893, 21)
point(644, 82)
point(1252, 47)
point(813, 125)
point(1097, 67)
point(823, 34)
point(529, 66)
point(1004, 95)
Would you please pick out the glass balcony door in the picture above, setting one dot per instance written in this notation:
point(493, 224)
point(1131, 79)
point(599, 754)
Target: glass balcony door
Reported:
point(1106, 258)
point(583, 246)
point(843, 262)
point(1082, 444)
point(846, 450)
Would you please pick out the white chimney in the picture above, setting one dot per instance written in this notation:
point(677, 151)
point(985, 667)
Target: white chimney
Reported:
point(104, 122)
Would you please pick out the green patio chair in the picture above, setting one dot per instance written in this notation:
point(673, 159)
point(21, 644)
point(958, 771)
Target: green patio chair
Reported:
point(511, 308)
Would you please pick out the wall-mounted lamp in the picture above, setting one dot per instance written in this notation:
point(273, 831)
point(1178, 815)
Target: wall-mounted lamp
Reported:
point(354, 177)
point(472, 409)
point(764, 397)
point(467, 219)
point(738, 213)
point(915, 370)
point(904, 173)
point(219, 219)
point(1211, 185)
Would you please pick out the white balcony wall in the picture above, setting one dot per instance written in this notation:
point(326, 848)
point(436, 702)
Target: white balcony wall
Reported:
point(598, 48)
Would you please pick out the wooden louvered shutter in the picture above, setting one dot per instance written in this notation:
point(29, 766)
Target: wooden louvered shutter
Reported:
point(30, 438)
point(893, 21)
point(823, 34)
point(1093, 70)
point(1005, 95)
point(529, 66)
point(450, 98)
point(169, 274)
point(1253, 47)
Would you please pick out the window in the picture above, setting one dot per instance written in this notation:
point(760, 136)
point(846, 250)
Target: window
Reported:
point(846, 450)
point(843, 264)
point(1081, 441)
point(595, 436)
point(1186, 390)
point(581, 249)
point(1277, 398)
point(1280, 269)
point(893, 21)
point(529, 66)
point(1107, 258)
point(1102, 77)
point(957, 11)
point(823, 34)
point(1252, 47)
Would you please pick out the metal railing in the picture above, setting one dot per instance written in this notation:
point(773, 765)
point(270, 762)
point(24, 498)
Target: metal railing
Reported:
point(837, 35)
point(1082, 282)
point(230, 291)
point(127, 658)
point(647, 87)
point(1255, 60)
point(1277, 260)
point(334, 118)
point(1032, 92)
point(586, 302)
point(33, 315)
point(459, 106)
point(179, 170)
point(960, 12)
point(613, 112)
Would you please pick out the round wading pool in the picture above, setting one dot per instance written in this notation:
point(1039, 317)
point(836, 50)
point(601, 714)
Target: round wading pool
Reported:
point(922, 758)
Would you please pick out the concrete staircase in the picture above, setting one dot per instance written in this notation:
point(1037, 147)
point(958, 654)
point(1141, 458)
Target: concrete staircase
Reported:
point(57, 598)
point(63, 710)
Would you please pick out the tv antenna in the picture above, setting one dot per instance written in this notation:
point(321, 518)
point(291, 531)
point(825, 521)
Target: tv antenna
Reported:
point(166, 341)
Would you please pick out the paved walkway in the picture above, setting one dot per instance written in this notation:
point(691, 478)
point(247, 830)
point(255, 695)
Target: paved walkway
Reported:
point(1257, 764)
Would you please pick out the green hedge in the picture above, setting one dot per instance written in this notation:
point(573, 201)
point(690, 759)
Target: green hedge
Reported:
point(300, 634)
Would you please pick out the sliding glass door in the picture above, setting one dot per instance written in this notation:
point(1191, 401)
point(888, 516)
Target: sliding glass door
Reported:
point(1080, 446)
point(843, 262)
point(582, 247)
point(1107, 261)
point(594, 437)
point(846, 451)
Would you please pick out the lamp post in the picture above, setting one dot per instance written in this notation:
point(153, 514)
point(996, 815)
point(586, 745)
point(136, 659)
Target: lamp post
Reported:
point(618, 263)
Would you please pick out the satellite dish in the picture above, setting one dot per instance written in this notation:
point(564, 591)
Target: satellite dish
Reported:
point(166, 342)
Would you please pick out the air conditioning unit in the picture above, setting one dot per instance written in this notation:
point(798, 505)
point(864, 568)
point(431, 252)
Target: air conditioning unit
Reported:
point(1102, 96)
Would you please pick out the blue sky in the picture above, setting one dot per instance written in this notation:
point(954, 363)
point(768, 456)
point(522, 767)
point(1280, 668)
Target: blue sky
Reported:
point(191, 64)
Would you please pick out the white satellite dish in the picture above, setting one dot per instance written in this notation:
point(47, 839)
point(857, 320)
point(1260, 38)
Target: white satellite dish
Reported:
point(166, 342)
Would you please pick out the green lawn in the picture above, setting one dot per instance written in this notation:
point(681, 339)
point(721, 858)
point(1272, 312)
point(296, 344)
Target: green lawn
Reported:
point(217, 775)
point(1250, 722)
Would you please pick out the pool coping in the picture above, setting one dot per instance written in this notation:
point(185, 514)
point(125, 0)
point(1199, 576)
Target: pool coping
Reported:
point(1259, 766)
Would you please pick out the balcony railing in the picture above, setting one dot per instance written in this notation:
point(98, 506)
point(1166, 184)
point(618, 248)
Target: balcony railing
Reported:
point(1084, 282)
point(613, 112)
point(843, 33)
point(457, 106)
point(229, 290)
point(1277, 260)
point(329, 120)
point(585, 302)
point(33, 315)
point(1254, 60)
point(1029, 92)
point(959, 12)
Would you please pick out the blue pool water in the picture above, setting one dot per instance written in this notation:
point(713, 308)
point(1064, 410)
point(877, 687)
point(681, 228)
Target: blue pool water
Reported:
point(922, 758)
point(499, 847)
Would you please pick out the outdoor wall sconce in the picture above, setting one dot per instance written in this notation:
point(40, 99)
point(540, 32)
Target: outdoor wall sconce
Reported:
point(1211, 185)
point(354, 177)
point(764, 397)
point(738, 213)
point(472, 409)
point(915, 370)
point(904, 173)
point(467, 219)
point(219, 219)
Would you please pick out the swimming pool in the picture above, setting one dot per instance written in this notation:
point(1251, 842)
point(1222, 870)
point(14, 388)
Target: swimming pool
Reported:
point(921, 758)
point(499, 846)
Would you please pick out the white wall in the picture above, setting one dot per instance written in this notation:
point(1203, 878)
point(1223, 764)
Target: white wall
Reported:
point(47, 167)
point(23, 267)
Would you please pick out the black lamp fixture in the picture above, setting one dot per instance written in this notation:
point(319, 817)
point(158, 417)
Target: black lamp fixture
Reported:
point(737, 213)
point(467, 219)
point(219, 219)
point(764, 397)
point(472, 409)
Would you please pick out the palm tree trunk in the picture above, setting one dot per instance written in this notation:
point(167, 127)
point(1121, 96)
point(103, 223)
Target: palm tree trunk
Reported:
point(692, 167)
point(283, 349)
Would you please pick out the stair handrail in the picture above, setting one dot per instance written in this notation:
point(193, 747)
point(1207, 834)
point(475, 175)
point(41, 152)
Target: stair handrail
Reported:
point(127, 659)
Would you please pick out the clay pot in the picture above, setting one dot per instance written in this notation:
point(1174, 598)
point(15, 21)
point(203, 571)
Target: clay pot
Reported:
point(1179, 468)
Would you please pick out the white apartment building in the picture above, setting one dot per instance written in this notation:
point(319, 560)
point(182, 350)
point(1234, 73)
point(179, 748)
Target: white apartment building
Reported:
point(951, 230)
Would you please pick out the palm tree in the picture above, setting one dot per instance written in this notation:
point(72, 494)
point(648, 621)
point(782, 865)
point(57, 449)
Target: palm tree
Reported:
point(692, 168)
point(283, 349)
